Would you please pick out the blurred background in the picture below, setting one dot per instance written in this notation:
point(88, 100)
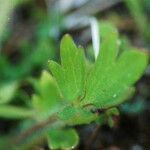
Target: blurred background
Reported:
point(30, 33)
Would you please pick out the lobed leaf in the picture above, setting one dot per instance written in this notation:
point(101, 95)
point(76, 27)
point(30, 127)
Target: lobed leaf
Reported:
point(71, 74)
point(48, 100)
point(107, 82)
point(113, 74)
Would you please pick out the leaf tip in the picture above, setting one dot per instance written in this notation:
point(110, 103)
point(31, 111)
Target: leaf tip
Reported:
point(66, 38)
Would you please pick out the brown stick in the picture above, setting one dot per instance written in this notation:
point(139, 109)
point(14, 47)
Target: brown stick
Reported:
point(92, 138)
point(33, 129)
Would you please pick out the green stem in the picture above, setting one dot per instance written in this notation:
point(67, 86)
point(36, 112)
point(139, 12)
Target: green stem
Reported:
point(14, 112)
point(137, 11)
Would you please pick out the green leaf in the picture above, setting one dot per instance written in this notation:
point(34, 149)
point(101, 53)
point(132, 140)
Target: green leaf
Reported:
point(71, 74)
point(49, 99)
point(48, 88)
point(75, 116)
point(107, 82)
point(107, 28)
point(112, 111)
point(107, 117)
point(63, 139)
point(113, 73)
point(7, 92)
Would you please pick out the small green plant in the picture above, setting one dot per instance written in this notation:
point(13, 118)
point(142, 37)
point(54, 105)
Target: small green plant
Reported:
point(73, 90)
